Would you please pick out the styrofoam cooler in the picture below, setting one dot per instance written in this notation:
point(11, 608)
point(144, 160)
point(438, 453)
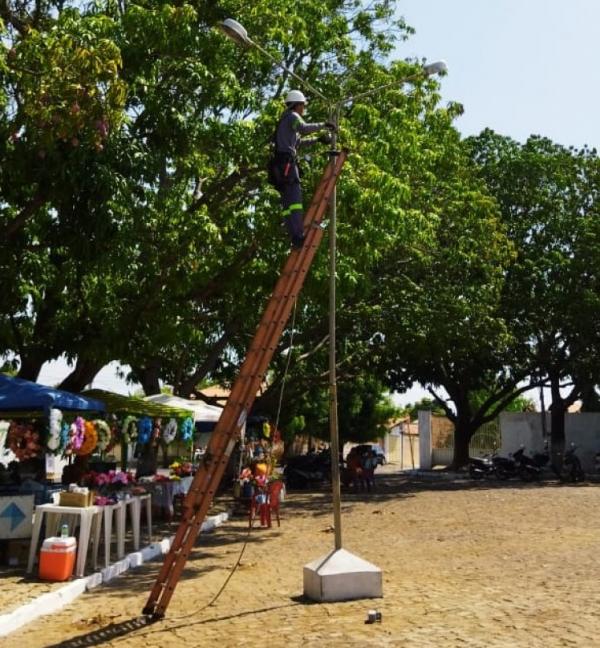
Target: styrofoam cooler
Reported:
point(57, 558)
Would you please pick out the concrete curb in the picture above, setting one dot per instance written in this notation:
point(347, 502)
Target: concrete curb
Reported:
point(53, 601)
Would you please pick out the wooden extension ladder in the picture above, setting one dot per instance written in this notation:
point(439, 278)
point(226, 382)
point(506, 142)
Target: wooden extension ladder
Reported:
point(243, 393)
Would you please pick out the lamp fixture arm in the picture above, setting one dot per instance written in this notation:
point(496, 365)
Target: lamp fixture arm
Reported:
point(290, 72)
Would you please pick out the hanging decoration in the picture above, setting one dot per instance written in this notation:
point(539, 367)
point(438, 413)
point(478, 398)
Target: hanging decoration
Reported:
point(90, 439)
point(144, 428)
point(129, 429)
point(54, 441)
point(76, 434)
point(170, 431)
point(187, 430)
point(24, 441)
point(104, 434)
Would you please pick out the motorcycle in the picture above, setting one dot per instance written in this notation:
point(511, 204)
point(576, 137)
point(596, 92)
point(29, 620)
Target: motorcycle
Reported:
point(480, 467)
point(507, 467)
point(572, 470)
point(531, 468)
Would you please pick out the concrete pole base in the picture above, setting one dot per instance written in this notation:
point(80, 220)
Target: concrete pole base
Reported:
point(342, 576)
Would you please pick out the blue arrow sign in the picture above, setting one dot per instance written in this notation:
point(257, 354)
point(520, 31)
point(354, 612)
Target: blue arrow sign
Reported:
point(14, 514)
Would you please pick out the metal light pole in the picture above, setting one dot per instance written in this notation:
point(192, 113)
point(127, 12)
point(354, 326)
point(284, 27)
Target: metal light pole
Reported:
point(238, 33)
point(334, 437)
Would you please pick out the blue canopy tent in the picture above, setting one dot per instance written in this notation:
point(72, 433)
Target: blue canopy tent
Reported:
point(20, 397)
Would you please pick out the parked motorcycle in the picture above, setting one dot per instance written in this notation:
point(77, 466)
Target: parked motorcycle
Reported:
point(507, 467)
point(531, 468)
point(481, 467)
point(572, 469)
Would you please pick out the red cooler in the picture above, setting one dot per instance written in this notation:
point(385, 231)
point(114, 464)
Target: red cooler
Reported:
point(57, 559)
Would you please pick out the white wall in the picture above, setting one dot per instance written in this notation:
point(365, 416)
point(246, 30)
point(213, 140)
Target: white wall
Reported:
point(424, 439)
point(525, 428)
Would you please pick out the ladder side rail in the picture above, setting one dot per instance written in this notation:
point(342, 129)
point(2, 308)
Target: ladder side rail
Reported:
point(206, 481)
point(306, 259)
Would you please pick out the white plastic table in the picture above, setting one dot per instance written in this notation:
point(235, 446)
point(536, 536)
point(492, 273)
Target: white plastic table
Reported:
point(54, 512)
point(107, 512)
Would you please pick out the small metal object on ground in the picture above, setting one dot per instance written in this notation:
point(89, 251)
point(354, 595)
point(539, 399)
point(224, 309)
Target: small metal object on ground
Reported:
point(373, 616)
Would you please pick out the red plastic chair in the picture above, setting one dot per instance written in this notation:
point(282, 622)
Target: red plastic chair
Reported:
point(265, 502)
point(274, 490)
point(259, 506)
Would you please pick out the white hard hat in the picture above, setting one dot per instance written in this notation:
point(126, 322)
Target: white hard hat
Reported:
point(295, 96)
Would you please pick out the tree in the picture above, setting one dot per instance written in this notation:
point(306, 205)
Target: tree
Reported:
point(548, 197)
point(134, 151)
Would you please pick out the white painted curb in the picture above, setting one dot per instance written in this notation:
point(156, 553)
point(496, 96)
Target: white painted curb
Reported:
point(53, 601)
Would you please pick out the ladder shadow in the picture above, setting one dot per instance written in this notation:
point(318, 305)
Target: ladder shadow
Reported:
point(119, 630)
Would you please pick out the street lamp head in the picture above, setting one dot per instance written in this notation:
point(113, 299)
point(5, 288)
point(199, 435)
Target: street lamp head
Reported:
point(439, 67)
point(232, 29)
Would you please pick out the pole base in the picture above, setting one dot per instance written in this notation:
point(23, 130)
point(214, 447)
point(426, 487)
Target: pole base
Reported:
point(342, 576)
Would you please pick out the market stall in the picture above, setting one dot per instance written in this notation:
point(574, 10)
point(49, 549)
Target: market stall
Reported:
point(37, 423)
point(81, 440)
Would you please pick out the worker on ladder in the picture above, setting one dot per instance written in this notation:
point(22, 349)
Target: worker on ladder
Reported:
point(283, 167)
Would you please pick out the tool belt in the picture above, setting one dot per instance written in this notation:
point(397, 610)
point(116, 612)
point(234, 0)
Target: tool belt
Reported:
point(280, 169)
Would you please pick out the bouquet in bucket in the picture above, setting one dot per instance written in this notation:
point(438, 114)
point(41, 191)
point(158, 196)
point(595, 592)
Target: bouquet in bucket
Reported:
point(108, 484)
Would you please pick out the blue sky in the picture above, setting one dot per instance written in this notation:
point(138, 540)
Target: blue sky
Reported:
point(520, 67)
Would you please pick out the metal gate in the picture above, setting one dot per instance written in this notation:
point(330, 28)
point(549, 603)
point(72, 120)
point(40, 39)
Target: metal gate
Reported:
point(484, 441)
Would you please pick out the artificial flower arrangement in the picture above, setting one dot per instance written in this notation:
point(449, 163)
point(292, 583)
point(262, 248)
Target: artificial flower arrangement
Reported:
point(170, 431)
point(80, 437)
point(144, 430)
point(187, 430)
point(104, 434)
point(54, 443)
point(129, 429)
point(24, 441)
point(181, 469)
point(108, 481)
point(257, 480)
point(90, 439)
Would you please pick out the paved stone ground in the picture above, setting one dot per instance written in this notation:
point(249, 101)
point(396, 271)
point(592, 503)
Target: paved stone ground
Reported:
point(18, 588)
point(475, 565)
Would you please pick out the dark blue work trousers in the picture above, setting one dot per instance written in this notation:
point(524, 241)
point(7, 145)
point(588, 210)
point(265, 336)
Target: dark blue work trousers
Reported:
point(291, 204)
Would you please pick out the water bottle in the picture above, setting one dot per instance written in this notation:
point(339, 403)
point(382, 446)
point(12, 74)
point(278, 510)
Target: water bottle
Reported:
point(64, 531)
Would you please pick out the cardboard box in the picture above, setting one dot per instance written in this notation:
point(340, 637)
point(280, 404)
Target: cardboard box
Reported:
point(76, 499)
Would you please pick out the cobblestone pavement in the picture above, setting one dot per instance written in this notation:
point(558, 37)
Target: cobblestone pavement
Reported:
point(465, 565)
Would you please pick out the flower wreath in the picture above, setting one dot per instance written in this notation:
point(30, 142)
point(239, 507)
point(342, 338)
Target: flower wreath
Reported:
point(64, 435)
point(187, 430)
point(129, 429)
point(76, 433)
point(90, 439)
point(55, 439)
point(144, 428)
point(104, 434)
point(170, 431)
point(23, 440)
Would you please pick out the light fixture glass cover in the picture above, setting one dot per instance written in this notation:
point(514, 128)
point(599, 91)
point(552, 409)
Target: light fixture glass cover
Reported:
point(234, 30)
point(439, 67)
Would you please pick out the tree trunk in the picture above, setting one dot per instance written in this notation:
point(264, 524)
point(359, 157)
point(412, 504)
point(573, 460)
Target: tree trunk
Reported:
point(149, 378)
point(83, 373)
point(462, 437)
point(590, 401)
point(31, 365)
